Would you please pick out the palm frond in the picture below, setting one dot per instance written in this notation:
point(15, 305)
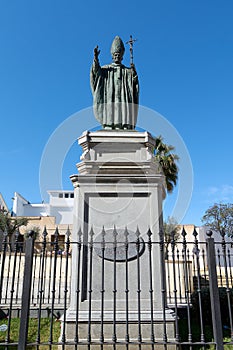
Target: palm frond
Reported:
point(167, 161)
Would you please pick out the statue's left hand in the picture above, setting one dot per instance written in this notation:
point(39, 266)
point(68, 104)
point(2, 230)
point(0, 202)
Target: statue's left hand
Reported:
point(133, 68)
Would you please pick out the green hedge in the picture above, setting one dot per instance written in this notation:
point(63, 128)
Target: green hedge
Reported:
point(206, 304)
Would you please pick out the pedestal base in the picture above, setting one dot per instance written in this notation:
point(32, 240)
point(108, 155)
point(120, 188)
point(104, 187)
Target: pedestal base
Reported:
point(138, 329)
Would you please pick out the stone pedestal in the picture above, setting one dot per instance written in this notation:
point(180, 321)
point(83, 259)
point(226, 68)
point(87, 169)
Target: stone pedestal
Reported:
point(118, 183)
point(118, 186)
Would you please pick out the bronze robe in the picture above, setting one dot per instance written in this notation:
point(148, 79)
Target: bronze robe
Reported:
point(115, 90)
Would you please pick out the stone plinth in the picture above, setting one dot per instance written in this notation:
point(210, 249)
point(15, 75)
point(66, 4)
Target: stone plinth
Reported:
point(118, 182)
point(119, 186)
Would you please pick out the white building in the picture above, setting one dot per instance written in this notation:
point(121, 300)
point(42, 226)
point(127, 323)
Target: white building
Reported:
point(3, 205)
point(60, 206)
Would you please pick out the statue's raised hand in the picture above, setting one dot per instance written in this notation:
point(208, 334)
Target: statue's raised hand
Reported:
point(96, 53)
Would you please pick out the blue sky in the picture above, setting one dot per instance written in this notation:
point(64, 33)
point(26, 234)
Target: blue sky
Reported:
point(184, 59)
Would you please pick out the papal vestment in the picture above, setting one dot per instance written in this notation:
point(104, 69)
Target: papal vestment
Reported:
point(115, 91)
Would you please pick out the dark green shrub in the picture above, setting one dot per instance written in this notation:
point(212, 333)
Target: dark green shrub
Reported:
point(206, 304)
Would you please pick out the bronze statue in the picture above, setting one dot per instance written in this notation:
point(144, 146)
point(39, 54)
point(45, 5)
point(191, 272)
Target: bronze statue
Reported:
point(115, 89)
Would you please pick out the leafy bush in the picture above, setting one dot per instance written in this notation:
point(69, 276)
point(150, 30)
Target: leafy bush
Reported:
point(206, 304)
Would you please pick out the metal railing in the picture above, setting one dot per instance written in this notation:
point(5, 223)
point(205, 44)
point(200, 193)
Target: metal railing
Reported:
point(195, 285)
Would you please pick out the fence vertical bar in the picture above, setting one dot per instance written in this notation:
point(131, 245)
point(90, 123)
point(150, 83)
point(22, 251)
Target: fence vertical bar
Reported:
point(34, 280)
point(185, 254)
point(60, 277)
point(227, 280)
point(151, 291)
point(41, 288)
point(12, 291)
point(53, 292)
point(179, 273)
point(76, 339)
point(163, 285)
point(114, 336)
point(196, 252)
point(103, 233)
point(173, 243)
point(220, 277)
point(126, 233)
point(229, 264)
point(39, 278)
point(18, 275)
point(25, 305)
point(4, 245)
point(139, 288)
point(67, 251)
point(205, 283)
point(89, 335)
point(214, 294)
point(8, 269)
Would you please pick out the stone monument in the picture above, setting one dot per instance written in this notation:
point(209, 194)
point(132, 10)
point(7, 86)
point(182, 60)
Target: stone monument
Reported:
point(117, 278)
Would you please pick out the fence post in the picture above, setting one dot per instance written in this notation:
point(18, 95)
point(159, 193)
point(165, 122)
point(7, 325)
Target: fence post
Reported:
point(214, 293)
point(26, 294)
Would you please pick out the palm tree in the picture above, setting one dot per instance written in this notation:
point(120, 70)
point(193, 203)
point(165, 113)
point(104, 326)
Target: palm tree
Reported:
point(167, 161)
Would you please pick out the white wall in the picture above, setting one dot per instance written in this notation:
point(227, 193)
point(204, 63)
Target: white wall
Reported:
point(18, 205)
point(35, 210)
point(60, 206)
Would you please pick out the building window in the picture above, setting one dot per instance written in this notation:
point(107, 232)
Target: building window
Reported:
point(66, 195)
point(60, 195)
point(72, 195)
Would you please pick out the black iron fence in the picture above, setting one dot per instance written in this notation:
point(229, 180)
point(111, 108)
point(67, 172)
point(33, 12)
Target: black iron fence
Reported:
point(49, 300)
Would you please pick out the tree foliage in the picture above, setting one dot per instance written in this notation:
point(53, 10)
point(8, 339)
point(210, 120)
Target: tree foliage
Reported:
point(171, 232)
point(10, 224)
point(168, 162)
point(219, 217)
point(36, 230)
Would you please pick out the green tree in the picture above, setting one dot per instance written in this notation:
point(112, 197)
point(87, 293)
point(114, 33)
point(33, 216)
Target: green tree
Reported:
point(171, 232)
point(35, 229)
point(167, 161)
point(11, 224)
point(219, 218)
